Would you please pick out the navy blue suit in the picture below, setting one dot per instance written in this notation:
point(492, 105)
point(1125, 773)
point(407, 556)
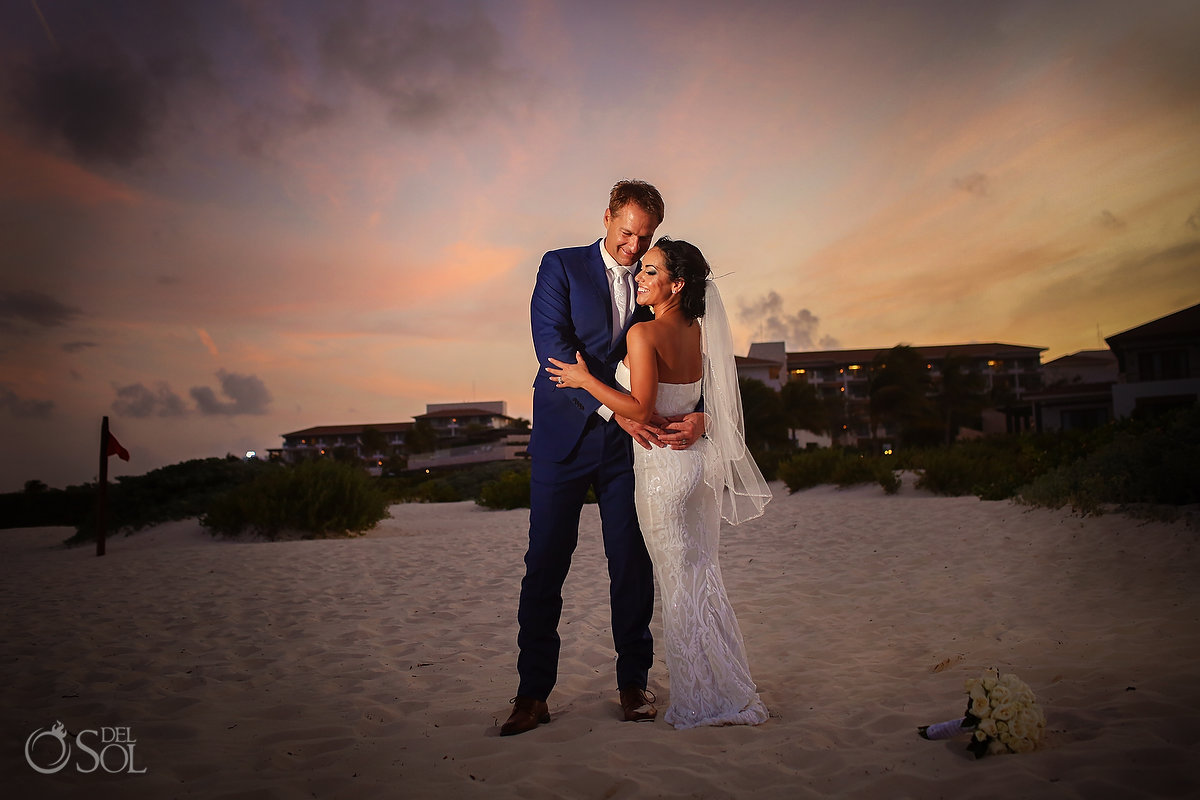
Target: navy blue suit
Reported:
point(573, 449)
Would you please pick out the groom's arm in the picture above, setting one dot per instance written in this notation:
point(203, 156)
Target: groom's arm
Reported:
point(680, 433)
point(553, 327)
point(648, 435)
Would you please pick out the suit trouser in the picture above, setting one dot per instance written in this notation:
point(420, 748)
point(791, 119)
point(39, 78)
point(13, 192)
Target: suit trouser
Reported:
point(603, 460)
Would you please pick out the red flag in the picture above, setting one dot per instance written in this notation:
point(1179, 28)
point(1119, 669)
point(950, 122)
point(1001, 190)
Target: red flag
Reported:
point(115, 448)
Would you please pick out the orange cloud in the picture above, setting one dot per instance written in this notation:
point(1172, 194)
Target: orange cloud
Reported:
point(34, 174)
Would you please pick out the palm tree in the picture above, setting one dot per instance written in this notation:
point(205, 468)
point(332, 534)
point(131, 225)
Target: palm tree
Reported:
point(803, 407)
point(960, 397)
point(766, 424)
point(899, 389)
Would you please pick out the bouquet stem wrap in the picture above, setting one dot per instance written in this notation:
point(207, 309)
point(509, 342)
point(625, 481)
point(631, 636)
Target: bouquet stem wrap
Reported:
point(946, 730)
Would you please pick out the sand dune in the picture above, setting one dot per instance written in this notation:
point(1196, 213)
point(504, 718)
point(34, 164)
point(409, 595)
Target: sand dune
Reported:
point(382, 666)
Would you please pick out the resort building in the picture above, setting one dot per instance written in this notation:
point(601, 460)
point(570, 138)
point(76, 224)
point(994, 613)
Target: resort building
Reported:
point(1078, 392)
point(1158, 363)
point(465, 433)
point(324, 439)
point(1007, 373)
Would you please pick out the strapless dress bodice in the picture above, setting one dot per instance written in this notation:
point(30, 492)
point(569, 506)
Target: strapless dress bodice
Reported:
point(673, 398)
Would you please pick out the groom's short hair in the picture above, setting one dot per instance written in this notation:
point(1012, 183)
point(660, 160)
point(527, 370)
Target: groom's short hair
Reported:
point(639, 192)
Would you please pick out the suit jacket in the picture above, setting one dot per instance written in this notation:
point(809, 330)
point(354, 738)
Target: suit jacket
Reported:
point(571, 310)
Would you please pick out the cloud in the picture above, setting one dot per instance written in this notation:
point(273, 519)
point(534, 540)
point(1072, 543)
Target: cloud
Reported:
point(118, 72)
point(247, 395)
point(771, 324)
point(1110, 221)
point(96, 99)
point(35, 307)
point(24, 409)
point(423, 68)
point(75, 347)
point(138, 401)
point(1193, 221)
point(208, 341)
point(976, 183)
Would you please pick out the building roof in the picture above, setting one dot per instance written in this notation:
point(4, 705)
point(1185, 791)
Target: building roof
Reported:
point(1062, 391)
point(1085, 358)
point(1185, 323)
point(341, 430)
point(748, 361)
point(448, 413)
point(817, 358)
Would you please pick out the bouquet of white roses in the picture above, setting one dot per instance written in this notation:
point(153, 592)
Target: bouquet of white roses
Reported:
point(1002, 716)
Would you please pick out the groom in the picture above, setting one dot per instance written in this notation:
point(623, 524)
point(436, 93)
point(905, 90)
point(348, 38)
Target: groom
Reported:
point(584, 301)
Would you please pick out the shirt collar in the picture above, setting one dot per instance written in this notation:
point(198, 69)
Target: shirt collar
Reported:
point(610, 263)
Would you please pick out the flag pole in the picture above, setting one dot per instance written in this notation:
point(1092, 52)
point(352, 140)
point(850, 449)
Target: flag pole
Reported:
point(102, 489)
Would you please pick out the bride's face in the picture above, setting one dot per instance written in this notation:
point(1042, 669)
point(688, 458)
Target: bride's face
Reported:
point(654, 284)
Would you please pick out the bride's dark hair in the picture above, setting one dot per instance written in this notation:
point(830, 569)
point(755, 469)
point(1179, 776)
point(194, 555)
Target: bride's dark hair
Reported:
point(685, 262)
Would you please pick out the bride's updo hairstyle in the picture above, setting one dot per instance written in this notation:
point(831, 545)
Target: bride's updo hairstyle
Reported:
point(685, 262)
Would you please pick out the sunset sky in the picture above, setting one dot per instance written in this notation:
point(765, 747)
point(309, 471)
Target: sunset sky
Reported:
point(224, 221)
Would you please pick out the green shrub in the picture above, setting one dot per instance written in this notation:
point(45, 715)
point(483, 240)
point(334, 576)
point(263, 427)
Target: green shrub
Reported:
point(809, 468)
point(992, 468)
point(888, 478)
point(851, 470)
point(317, 498)
point(840, 467)
point(510, 490)
point(174, 492)
point(1143, 462)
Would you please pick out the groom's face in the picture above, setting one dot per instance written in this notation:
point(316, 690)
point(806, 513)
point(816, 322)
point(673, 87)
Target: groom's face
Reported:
point(628, 233)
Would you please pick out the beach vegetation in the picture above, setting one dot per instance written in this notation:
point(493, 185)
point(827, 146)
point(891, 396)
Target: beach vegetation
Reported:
point(174, 492)
point(840, 467)
point(509, 491)
point(317, 498)
point(1145, 467)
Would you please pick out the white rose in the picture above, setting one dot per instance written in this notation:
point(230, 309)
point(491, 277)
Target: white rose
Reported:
point(988, 727)
point(1022, 725)
point(999, 695)
point(1005, 711)
point(995, 747)
point(1021, 745)
point(980, 707)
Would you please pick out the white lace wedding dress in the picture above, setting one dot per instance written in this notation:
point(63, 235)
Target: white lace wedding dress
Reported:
point(677, 510)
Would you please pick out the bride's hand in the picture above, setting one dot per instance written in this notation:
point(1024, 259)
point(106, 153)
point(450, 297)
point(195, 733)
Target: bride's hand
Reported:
point(569, 376)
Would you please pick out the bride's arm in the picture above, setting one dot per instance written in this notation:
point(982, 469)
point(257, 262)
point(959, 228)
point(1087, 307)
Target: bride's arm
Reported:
point(638, 405)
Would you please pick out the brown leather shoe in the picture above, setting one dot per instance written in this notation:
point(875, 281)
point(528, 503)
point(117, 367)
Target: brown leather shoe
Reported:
point(526, 715)
point(638, 704)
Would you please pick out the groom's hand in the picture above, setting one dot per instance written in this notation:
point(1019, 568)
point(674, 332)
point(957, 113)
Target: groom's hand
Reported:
point(680, 433)
point(645, 435)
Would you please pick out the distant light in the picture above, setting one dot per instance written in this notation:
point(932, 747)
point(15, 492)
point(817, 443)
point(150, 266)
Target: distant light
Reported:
point(855, 366)
point(887, 452)
point(427, 472)
point(251, 454)
point(991, 363)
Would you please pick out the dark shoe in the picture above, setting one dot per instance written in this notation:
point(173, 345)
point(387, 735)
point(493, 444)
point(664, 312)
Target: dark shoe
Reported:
point(526, 715)
point(638, 704)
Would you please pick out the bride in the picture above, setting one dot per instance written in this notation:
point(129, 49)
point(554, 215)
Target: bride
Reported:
point(681, 495)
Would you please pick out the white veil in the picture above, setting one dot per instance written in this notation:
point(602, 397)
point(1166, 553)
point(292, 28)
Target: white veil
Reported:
point(745, 493)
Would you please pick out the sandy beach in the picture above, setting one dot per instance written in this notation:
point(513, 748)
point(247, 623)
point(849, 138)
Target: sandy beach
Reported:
point(382, 666)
